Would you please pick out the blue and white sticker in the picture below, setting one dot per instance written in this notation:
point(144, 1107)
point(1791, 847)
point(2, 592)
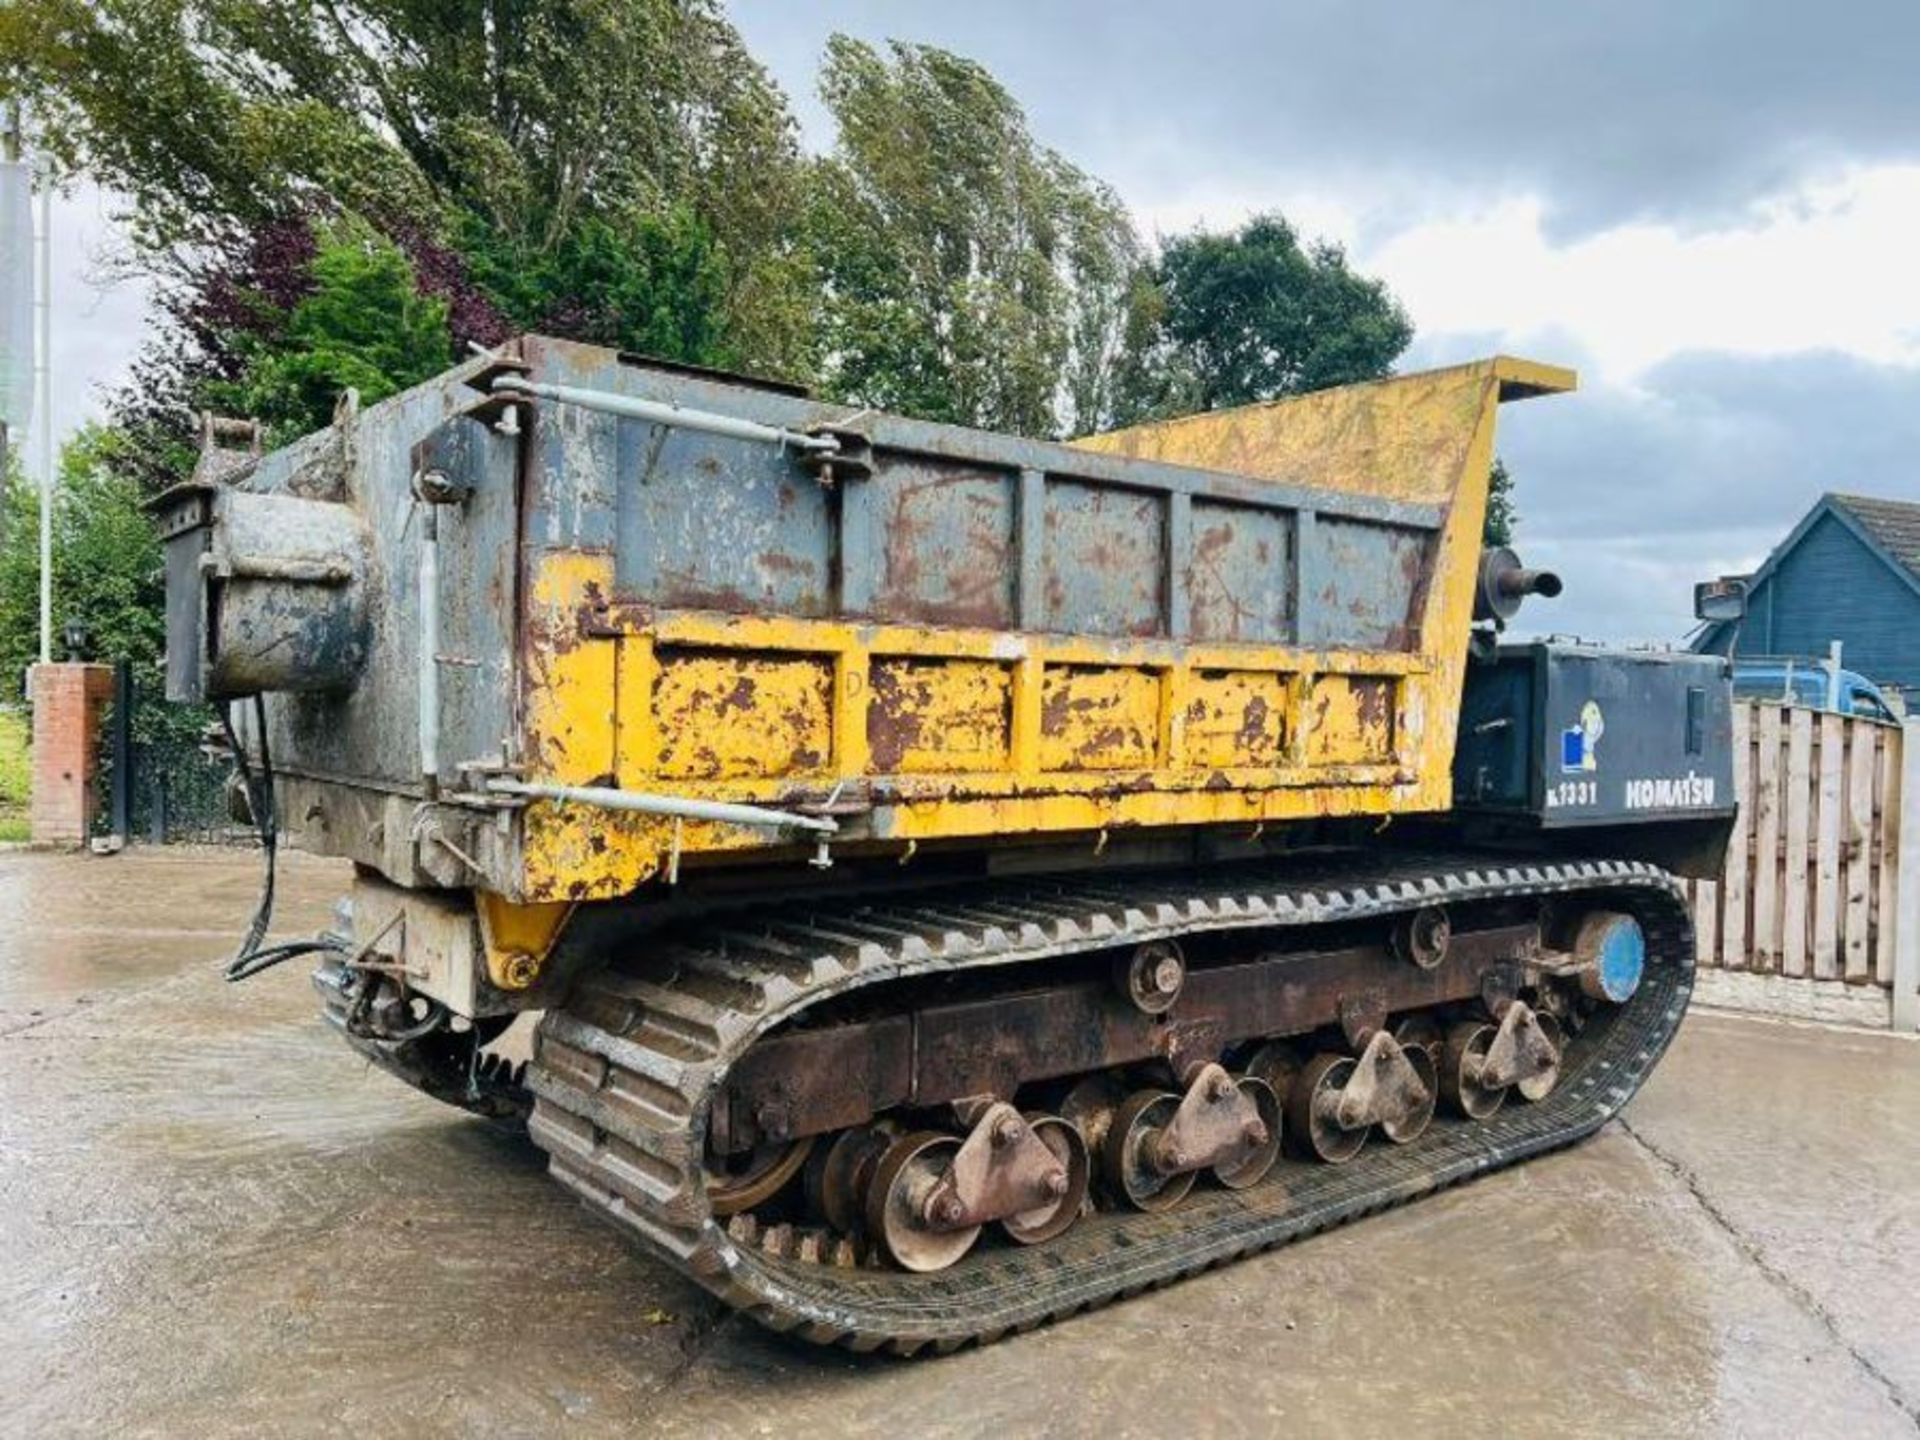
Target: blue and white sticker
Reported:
point(1580, 742)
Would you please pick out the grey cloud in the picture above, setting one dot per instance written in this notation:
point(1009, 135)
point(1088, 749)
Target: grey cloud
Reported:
point(1637, 109)
point(1702, 469)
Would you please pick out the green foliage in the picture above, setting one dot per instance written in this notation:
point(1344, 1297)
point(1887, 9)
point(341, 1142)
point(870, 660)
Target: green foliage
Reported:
point(16, 772)
point(106, 573)
point(969, 274)
point(541, 119)
point(1501, 516)
point(1254, 314)
point(106, 562)
point(656, 285)
point(364, 326)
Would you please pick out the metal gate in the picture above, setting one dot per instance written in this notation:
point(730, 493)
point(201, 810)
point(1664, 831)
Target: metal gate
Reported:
point(162, 774)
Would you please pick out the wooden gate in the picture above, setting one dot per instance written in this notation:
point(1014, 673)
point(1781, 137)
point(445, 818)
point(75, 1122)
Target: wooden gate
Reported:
point(1828, 831)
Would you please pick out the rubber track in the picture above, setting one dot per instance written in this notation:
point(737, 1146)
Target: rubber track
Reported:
point(624, 1076)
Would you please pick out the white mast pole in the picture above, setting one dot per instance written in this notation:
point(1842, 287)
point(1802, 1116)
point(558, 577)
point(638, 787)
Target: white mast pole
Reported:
point(44, 358)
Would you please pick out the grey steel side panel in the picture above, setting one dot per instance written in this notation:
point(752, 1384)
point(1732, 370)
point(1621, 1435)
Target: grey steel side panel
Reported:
point(369, 733)
point(954, 527)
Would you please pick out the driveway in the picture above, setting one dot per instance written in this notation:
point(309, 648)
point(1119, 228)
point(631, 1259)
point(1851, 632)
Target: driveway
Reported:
point(215, 1220)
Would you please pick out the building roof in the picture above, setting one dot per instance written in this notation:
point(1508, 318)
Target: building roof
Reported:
point(1890, 529)
point(1892, 525)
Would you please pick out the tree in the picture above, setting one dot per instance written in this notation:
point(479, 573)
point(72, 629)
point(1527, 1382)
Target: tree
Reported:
point(363, 326)
point(543, 127)
point(1501, 516)
point(657, 288)
point(968, 273)
point(1254, 314)
point(106, 561)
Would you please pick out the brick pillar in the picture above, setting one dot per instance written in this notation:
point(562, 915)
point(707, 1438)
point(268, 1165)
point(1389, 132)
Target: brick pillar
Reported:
point(67, 702)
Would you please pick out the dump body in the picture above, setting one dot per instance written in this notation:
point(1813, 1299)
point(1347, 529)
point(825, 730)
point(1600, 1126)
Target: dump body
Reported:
point(958, 635)
point(500, 615)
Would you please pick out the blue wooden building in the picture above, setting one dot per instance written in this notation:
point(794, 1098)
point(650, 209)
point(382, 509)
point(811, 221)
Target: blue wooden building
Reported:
point(1849, 571)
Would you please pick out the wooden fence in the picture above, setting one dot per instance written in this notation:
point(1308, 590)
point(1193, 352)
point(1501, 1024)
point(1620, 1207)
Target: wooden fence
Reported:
point(1822, 880)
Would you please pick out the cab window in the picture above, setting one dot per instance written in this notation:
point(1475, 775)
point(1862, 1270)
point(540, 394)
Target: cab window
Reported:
point(1867, 704)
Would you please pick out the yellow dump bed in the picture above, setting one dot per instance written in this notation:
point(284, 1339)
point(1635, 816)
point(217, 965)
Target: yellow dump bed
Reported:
point(1247, 616)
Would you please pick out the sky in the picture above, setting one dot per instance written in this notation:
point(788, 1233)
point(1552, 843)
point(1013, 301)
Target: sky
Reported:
point(1710, 209)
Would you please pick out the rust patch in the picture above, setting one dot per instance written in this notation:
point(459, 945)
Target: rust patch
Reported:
point(1353, 720)
point(723, 715)
point(946, 548)
point(1237, 719)
point(1095, 717)
point(1236, 589)
point(935, 716)
point(1105, 560)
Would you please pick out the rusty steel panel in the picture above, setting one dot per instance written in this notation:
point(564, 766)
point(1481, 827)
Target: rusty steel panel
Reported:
point(722, 715)
point(927, 717)
point(710, 522)
point(1105, 566)
point(946, 539)
point(1237, 718)
point(1240, 574)
point(1352, 720)
point(1372, 579)
point(1098, 718)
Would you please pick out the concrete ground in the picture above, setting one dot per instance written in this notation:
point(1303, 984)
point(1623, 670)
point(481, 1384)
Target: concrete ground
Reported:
point(214, 1220)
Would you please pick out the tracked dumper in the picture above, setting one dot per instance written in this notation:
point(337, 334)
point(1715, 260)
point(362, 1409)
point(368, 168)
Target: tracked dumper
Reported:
point(962, 880)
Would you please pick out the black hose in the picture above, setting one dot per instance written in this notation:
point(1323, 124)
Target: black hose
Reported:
point(250, 959)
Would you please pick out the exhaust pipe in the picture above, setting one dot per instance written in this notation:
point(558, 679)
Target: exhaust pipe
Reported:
point(1505, 583)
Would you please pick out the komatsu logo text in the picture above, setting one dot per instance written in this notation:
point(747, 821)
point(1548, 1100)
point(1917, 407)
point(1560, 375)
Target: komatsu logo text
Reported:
point(1683, 792)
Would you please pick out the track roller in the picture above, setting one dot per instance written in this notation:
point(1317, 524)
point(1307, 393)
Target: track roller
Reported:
point(1463, 1068)
point(1158, 1141)
point(901, 1218)
point(927, 1200)
point(756, 1176)
point(1059, 1210)
point(1313, 1110)
point(1521, 1049)
point(1537, 1086)
point(1421, 937)
point(1127, 1157)
point(838, 1175)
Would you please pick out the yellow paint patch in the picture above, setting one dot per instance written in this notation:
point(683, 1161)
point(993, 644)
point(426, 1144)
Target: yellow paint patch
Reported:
point(1350, 720)
point(1097, 719)
point(1236, 718)
point(513, 931)
point(939, 716)
point(569, 675)
point(723, 715)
